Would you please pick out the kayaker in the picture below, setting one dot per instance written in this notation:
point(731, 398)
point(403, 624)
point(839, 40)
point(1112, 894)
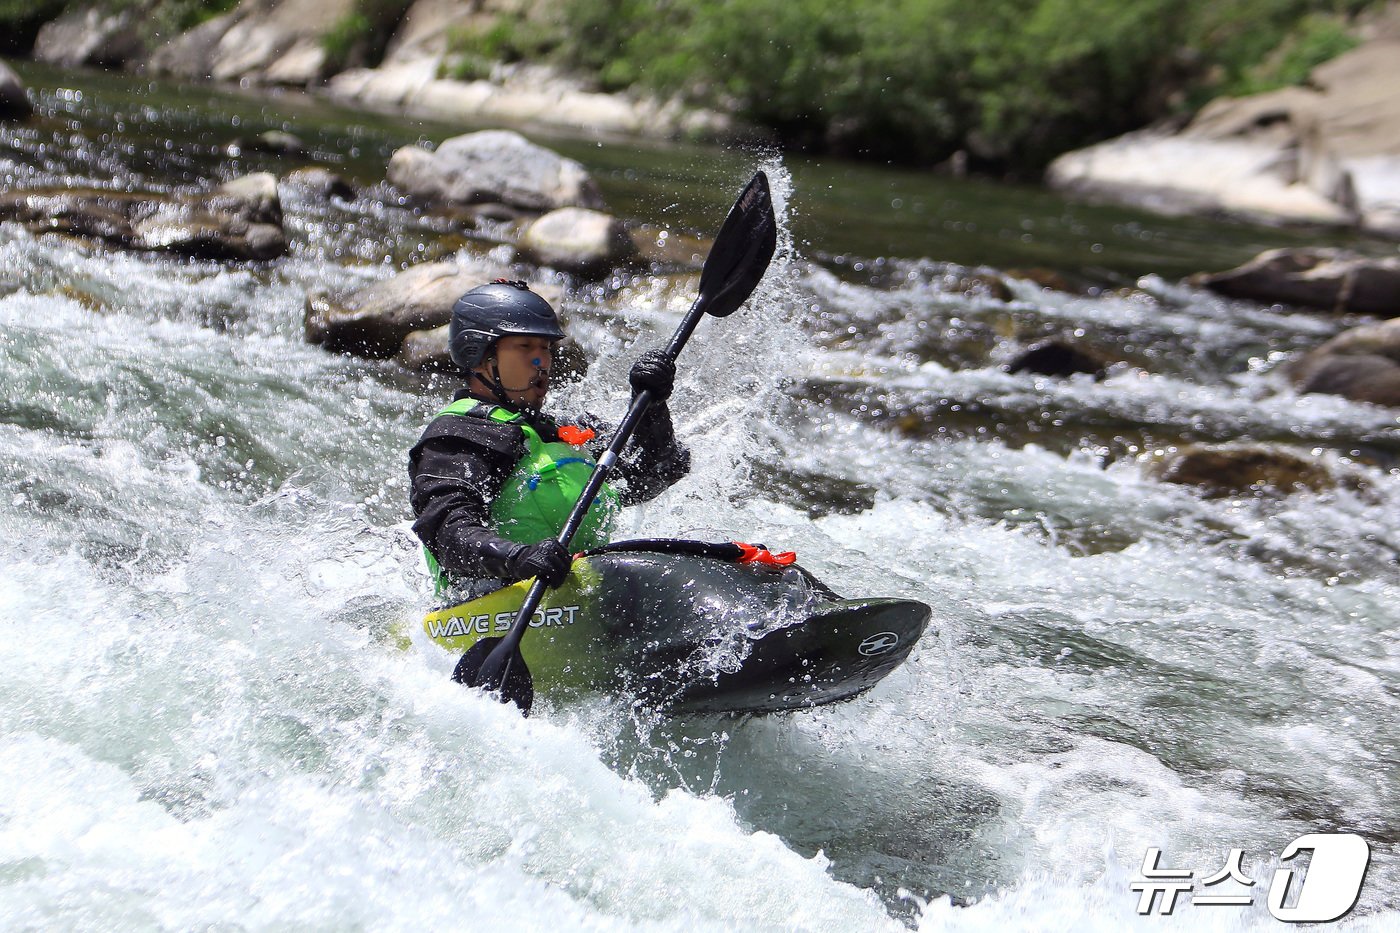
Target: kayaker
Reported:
point(493, 478)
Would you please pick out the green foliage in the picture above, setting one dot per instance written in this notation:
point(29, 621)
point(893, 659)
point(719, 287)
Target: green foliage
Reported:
point(474, 47)
point(359, 38)
point(1014, 82)
point(20, 21)
point(1239, 39)
point(345, 36)
point(1011, 82)
point(172, 17)
point(1314, 40)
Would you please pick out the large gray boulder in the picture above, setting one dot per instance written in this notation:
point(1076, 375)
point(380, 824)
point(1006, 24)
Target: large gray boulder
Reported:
point(1327, 152)
point(14, 99)
point(374, 321)
point(426, 351)
point(427, 27)
point(578, 240)
point(240, 220)
point(90, 36)
point(192, 54)
point(1329, 279)
point(1362, 364)
point(427, 47)
point(494, 165)
point(260, 41)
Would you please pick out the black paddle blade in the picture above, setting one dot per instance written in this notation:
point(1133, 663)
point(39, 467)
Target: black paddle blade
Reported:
point(516, 684)
point(742, 250)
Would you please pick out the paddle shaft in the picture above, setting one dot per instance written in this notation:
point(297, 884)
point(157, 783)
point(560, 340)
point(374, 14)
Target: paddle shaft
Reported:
point(737, 261)
point(504, 653)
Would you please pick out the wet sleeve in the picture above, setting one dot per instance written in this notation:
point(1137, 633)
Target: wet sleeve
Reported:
point(653, 459)
point(455, 475)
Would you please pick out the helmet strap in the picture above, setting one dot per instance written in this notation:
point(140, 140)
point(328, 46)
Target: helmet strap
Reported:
point(498, 388)
point(494, 385)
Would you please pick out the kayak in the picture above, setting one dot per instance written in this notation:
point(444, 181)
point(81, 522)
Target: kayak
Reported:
point(694, 627)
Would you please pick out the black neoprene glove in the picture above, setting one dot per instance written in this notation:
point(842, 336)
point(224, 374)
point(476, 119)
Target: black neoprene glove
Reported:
point(548, 560)
point(656, 371)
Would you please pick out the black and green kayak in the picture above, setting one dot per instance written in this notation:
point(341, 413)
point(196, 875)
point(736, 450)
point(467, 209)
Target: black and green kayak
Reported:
point(694, 626)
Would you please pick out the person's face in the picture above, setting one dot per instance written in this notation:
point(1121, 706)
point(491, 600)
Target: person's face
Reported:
point(523, 363)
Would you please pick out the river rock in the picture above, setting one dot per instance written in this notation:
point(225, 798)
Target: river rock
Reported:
point(191, 54)
point(412, 79)
point(240, 220)
point(1058, 358)
point(14, 99)
point(1361, 378)
point(817, 494)
point(981, 284)
point(523, 93)
point(427, 28)
point(1328, 152)
point(257, 191)
point(493, 165)
point(1361, 364)
point(85, 37)
point(277, 142)
point(1239, 469)
point(319, 183)
point(260, 41)
point(374, 321)
point(1048, 279)
point(388, 86)
point(1186, 175)
point(1330, 279)
point(575, 239)
point(426, 351)
point(1382, 339)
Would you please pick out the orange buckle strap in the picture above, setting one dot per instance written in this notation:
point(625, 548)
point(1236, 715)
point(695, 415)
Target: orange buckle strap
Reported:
point(758, 554)
point(572, 434)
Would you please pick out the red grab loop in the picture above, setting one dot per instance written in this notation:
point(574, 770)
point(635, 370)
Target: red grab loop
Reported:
point(753, 554)
point(571, 434)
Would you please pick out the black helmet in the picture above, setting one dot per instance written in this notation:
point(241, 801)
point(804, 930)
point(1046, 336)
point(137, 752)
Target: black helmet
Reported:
point(489, 312)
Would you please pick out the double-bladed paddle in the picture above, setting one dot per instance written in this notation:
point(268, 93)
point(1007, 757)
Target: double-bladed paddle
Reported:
point(743, 248)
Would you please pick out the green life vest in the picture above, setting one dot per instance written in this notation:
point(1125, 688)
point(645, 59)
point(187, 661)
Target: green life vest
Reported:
point(541, 491)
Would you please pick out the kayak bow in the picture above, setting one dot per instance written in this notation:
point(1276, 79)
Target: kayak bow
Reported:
point(670, 622)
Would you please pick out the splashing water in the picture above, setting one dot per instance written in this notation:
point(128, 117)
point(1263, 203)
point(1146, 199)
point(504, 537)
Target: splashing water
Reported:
point(204, 559)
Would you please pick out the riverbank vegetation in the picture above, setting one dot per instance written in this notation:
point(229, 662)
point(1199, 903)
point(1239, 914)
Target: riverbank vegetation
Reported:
point(20, 20)
point(993, 84)
point(1011, 84)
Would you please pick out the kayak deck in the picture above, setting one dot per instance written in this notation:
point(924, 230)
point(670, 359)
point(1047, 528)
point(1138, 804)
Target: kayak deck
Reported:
point(695, 634)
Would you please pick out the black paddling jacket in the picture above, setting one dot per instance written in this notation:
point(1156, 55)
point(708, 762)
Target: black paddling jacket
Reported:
point(460, 464)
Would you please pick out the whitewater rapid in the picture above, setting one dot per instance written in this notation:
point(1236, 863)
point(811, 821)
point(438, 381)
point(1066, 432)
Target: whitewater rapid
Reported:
point(208, 717)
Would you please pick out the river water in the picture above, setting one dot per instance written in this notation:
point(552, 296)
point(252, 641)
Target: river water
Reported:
point(207, 722)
